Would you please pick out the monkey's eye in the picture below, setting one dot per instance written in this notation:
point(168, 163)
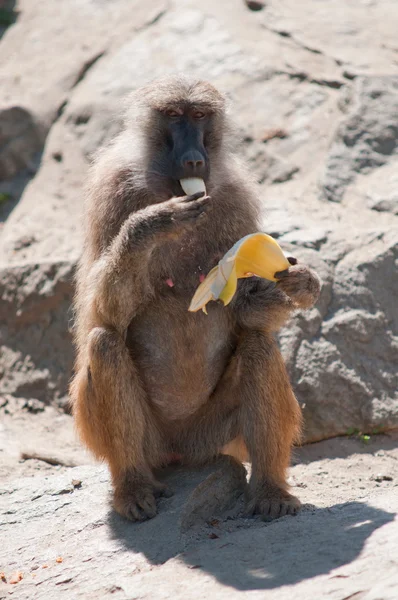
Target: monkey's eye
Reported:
point(198, 114)
point(171, 112)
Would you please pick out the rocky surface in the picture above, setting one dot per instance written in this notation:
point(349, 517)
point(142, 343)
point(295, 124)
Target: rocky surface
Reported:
point(313, 89)
point(315, 97)
point(60, 537)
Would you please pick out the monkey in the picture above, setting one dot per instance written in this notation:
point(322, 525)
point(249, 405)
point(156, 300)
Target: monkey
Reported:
point(153, 380)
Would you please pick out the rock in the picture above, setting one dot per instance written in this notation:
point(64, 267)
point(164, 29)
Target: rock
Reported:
point(382, 188)
point(20, 140)
point(217, 494)
point(36, 358)
point(366, 138)
point(73, 50)
point(358, 36)
point(313, 237)
point(342, 356)
point(311, 111)
point(266, 166)
point(352, 544)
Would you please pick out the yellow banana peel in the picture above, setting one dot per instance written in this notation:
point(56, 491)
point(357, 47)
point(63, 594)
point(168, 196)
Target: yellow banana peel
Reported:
point(255, 254)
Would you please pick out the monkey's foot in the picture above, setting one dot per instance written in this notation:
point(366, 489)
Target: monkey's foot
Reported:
point(135, 496)
point(273, 502)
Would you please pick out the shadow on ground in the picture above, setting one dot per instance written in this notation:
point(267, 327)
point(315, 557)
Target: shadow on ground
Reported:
point(249, 554)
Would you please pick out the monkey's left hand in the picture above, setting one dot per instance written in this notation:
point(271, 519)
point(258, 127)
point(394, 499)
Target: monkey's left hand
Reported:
point(301, 284)
point(261, 303)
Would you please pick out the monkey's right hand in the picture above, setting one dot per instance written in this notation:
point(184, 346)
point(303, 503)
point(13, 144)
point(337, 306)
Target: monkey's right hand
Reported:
point(184, 209)
point(171, 216)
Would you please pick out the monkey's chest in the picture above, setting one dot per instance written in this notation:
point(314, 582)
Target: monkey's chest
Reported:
point(183, 265)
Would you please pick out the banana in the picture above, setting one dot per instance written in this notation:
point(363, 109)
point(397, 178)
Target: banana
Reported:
point(257, 254)
point(193, 185)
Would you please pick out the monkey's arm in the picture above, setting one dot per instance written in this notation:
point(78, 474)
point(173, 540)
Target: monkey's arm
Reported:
point(260, 303)
point(119, 282)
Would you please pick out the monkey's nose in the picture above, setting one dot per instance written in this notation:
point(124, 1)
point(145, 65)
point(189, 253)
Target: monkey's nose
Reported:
point(192, 161)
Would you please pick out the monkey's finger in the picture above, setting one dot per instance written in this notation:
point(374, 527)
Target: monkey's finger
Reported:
point(162, 490)
point(292, 260)
point(200, 200)
point(250, 508)
point(282, 274)
point(148, 505)
point(133, 513)
point(191, 211)
point(283, 509)
point(293, 509)
point(192, 197)
point(198, 203)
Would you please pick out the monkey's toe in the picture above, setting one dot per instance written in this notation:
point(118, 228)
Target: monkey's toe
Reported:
point(136, 506)
point(162, 490)
point(273, 504)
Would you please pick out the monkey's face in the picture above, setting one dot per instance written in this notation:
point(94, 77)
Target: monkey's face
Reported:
point(183, 147)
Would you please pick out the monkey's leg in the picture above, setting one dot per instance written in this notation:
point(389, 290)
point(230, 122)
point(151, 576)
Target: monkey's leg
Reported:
point(254, 401)
point(270, 421)
point(116, 422)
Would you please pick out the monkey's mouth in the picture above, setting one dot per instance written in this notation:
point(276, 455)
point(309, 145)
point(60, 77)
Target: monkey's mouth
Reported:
point(192, 185)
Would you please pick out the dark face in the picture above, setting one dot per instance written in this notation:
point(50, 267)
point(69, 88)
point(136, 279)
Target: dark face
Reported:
point(181, 152)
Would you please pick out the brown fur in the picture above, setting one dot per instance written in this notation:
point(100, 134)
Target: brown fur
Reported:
point(152, 379)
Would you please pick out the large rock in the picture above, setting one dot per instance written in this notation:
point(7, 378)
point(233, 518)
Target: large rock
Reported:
point(20, 140)
point(367, 138)
point(309, 109)
point(92, 117)
point(60, 537)
point(36, 356)
point(62, 56)
point(343, 354)
point(357, 35)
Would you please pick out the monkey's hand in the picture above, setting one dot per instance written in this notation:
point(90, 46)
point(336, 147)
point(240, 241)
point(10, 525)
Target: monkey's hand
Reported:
point(119, 280)
point(169, 217)
point(300, 284)
point(261, 304)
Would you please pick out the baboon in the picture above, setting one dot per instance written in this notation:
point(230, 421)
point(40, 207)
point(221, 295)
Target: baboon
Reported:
point(152, 380)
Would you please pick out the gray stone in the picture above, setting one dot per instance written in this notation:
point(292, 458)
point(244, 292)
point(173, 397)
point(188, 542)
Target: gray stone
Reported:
point(343, 354)
point(20, 140)
point(366, 138)
point(288, 93)
point(36, 352)
point(64, 539)
point(217, 494)
point(381, 188)
point(314, 90)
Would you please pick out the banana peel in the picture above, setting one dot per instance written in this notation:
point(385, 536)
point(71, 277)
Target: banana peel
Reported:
point(257, 254)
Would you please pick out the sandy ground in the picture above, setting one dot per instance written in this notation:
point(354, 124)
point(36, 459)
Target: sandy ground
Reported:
point(342, 546)
point(338, 469)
